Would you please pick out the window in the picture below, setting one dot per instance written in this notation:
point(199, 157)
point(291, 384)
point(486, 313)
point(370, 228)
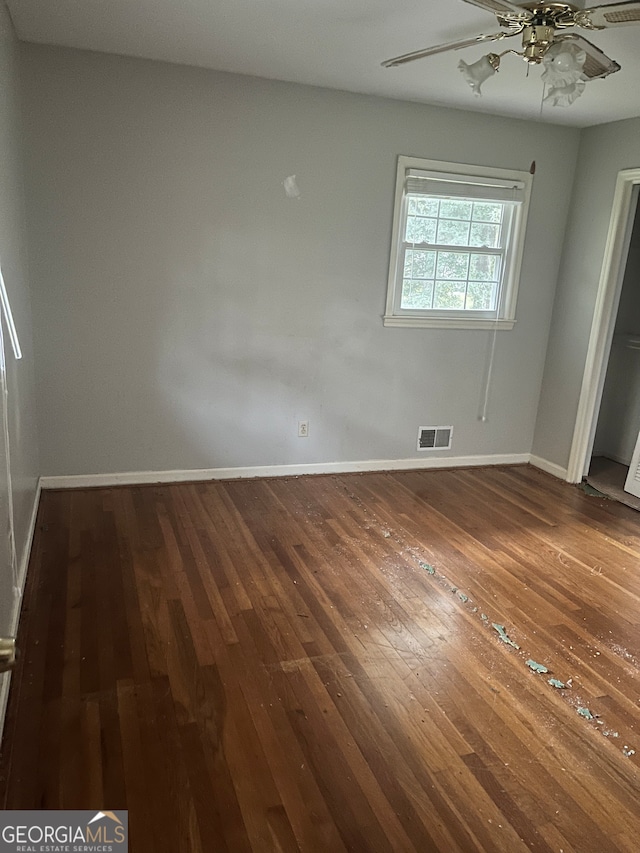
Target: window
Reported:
point(458, 236)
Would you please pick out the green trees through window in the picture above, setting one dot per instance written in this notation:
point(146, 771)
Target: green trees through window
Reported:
point(441, 278)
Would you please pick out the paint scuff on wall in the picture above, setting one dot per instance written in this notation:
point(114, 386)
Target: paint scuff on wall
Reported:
point(291, 187)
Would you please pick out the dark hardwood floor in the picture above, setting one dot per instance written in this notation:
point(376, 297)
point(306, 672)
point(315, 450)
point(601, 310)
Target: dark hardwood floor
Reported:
point(311, 664)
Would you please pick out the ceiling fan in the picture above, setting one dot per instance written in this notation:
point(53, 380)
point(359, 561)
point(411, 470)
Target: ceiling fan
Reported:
point(569, 59)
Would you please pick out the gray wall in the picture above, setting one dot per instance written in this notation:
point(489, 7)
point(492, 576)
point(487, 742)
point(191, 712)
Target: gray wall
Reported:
point(188, 314)
point(13, 259)
point(604, 151)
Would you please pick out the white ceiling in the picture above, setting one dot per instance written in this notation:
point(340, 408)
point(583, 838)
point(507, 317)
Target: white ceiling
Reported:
point(335, 43)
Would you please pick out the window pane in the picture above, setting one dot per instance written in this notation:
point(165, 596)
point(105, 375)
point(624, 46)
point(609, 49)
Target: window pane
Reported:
point(481, 296)
point(485, 211)
point(420, 264)
point(483, 234)
point(416, 293)
point(423, 205)
point(450, 209)
point(449, 295)
point(453, 265)
point(453, 232)
point(484, 267)
point(420, 230)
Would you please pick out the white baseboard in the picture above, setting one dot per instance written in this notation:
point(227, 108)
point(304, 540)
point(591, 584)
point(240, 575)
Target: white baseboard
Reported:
point(5, 680)
point(198, 474)
point(549, 467)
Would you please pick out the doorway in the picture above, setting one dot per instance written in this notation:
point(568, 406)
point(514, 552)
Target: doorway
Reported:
point(618, 419)
point(611, 339)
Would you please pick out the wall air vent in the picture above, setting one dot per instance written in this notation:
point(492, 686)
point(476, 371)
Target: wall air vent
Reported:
point(434, 437)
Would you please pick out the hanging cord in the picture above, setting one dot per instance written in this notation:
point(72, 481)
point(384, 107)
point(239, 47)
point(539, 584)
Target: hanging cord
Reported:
point(483, 414)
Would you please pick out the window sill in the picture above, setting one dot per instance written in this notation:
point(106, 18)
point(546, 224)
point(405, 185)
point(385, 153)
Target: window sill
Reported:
point(446, 323)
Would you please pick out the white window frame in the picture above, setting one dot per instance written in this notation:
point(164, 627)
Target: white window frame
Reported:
point(455, 174)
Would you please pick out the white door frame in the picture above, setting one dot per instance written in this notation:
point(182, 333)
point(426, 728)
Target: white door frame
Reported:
point(611, 276)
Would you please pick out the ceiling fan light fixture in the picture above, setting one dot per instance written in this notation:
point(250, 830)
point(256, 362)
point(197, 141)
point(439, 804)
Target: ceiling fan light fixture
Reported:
point(564, 73)
point(476, 73)
point(564, 96)
point(563, 63)
point(569, 61)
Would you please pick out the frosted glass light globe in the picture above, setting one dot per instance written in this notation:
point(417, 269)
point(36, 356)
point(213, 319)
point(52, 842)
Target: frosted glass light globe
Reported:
point(566, 61)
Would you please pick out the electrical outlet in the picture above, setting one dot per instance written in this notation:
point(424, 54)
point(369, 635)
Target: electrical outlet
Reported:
point(303, 429)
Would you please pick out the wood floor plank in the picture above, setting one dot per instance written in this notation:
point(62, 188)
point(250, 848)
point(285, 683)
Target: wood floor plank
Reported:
point(312, 664)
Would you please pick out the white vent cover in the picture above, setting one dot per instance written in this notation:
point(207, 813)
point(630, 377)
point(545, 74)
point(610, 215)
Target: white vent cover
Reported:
point(434, 437)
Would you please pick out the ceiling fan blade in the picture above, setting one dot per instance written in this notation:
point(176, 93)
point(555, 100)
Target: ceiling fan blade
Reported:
point(615, 15)
point(441, 48)
point(597, 63)
point(504, 9)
